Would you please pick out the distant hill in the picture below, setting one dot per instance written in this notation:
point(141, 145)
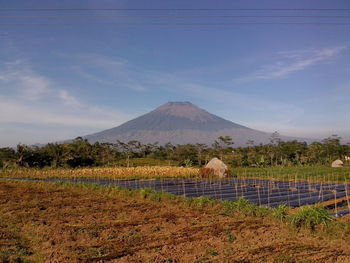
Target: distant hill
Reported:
point(180, 123)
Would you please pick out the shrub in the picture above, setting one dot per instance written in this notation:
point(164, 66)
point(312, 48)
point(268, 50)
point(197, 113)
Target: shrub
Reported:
point(310, 217)
point(280, 212)
point(203, 201)
point(243, 206)
point(146, 192)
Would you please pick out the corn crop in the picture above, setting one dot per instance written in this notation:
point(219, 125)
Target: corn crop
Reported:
point(103, 172)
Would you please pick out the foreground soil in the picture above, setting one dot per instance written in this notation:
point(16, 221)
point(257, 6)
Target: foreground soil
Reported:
point(42, 222)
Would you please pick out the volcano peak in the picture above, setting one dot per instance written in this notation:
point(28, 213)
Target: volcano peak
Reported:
point(184, 110)
point(179, 123)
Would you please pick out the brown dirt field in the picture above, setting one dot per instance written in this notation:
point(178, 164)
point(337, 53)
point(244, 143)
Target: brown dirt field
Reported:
point(43, 222)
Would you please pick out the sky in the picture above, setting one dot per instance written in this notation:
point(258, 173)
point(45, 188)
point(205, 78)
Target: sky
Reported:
point(69, 73)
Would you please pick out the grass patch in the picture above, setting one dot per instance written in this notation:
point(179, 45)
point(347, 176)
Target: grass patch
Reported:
point(280, 212)
point(300, 173)
point(243, 206)
point(310, 217)
point(201, 202)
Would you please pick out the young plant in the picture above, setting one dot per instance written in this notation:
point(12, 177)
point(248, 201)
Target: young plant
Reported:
point(310, 217)
point(280, 212)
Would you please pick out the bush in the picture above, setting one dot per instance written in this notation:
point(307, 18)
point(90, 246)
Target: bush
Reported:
point(310, 217)
point(280, 212)
point(204, 201)
point(146, 192)
point(243, 206)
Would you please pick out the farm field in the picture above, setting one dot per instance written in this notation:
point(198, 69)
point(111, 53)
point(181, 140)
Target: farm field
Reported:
point(307, 173)
point(260, 192)
point(45, 222)
point(304, 173)
point(292, 186)
point(103, 172)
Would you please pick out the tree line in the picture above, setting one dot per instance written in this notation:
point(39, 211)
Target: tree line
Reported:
point(81, 153)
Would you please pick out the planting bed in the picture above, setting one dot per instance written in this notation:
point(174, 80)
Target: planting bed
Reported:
point(258, 191)
point(42, 222)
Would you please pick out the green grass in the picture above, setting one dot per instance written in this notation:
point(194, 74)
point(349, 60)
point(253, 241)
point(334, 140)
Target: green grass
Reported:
point(280, 212)
point(300, 173)
point(310, 217)
point(244, 207)
point(312, 173)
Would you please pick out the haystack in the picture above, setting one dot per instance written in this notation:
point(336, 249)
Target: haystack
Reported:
point(218, 167)
point(337, 163)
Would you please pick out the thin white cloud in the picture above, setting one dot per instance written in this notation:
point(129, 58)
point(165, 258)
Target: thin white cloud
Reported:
point(14, 62)
point(292, 61)
point(14, 111)
point(33, 99)
point(232, 105)
point(89, 76)
point(106, 62)
point(67, 98)
point(277, 111)
point(117, 72)
point(268, 116)
point(32, 87)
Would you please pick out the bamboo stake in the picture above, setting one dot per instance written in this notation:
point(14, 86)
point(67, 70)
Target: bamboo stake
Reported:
point(335, 203)
point(347, 196)
point(258, 187)
point(236, 189)
point(183, 188)
point(268, 193)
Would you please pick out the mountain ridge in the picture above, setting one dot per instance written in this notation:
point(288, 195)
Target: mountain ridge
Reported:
point(180, 123)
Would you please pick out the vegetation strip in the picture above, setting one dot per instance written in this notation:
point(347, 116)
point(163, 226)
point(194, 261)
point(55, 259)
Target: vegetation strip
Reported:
point(88, 222)
point(81, 153)
point(310, 174)
point(259, 192)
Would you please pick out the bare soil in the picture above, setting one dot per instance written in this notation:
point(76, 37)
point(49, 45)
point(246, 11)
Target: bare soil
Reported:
point(42, 222)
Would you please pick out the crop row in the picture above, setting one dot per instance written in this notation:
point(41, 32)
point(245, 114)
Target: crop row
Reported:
point(103, 172)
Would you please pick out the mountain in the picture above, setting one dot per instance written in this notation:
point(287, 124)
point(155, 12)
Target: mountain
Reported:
point(180, 123)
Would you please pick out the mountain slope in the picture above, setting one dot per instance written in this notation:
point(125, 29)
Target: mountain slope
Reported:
point(179, 123)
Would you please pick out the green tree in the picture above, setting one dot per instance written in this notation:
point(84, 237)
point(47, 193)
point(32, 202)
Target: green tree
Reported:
point(223, 145)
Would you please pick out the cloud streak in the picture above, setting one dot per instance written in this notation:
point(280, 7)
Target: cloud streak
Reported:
point(116, 72)
point(229, 104)
point(14, 111)
point(29, 98)
point(289, 62)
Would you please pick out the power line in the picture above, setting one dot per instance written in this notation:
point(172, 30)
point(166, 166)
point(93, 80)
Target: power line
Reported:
point(174, 16)
point(179, 16)
point(168, 9)
point(176, 24)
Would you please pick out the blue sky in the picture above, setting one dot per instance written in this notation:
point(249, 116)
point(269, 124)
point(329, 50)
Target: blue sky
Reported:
point(62, 81)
